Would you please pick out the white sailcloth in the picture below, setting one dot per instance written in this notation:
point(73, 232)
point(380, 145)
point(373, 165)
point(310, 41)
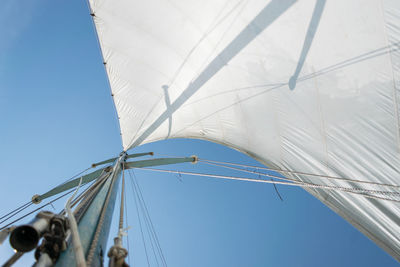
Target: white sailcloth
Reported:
point(308, 85)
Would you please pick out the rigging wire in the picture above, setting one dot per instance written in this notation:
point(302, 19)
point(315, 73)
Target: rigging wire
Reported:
point(150, 222)
point(20, 207)
point(15, 212)
point(253, 172)
point(29, 213)
point(26, 205)
point(358, 191)
point(221, 164)
point(76, 175)
point(276, 190)
point(79, 197)
point(138, 215)
point(89, 196)
point(257, 173)
point(146, 221)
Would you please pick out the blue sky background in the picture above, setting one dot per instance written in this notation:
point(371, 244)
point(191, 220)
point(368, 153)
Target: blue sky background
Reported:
point(57, 118)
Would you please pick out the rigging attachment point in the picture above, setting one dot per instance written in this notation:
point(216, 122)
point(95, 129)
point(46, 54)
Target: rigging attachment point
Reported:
point(36, 199)
point(195, 159)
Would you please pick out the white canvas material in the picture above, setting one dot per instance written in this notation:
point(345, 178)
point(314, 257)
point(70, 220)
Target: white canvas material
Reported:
point(309, 85)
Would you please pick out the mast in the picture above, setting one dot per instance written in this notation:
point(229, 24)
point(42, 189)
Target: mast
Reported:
point(80, 240)
point(95, 224)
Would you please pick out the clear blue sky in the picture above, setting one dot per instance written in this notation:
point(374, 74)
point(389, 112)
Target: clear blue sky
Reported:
point(57, 118)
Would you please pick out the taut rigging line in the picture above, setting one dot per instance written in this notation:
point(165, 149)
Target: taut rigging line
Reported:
point(359, 191)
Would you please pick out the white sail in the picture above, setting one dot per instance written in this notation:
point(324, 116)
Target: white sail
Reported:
point(309, 86)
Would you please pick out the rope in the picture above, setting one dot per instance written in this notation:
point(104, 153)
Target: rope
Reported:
point(100, 223)
point(89, 197)
point(358, 191)
point(219, 163)
point(121, 211)
point(83, 195)
point(77, 199)
point(76, 241)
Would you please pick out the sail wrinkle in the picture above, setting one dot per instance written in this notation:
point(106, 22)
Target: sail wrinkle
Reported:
point(271, 11)
point(299, 85)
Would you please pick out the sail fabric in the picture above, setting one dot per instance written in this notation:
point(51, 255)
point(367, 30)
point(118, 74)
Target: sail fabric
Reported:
point(309, 86)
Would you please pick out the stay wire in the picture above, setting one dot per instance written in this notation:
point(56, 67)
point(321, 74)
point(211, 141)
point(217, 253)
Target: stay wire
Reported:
point(358, 191)
point(76, 175)
point(138, 215)
point(151, 226)
point(26, 205)
point(79, 197)
point(350, 190)
point(252, 172)
point(15, 212)
point(155, 236)
point(29, 213)
point(276, 190)
point(16, 209)
point(219, 163)
point(146, 221)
